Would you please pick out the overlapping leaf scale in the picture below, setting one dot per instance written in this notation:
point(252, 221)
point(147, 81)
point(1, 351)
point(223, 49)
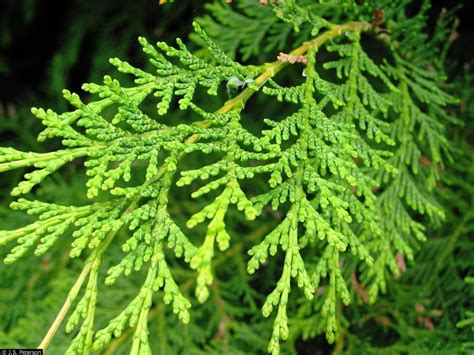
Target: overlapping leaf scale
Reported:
point(320, 162)
point(417, 107)
point(90, 223)
point(238, 146)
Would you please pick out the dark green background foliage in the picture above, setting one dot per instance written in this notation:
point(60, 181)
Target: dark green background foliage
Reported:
point(46, 46)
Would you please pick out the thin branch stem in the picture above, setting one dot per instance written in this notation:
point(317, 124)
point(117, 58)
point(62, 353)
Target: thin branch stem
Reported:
point(70, 298)
point(97, 254)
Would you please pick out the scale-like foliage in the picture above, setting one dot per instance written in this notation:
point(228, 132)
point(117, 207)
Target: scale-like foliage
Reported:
point(345, 171)
point(429, 309)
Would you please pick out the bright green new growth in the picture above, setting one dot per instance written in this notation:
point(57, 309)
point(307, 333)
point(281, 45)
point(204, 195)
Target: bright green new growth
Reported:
point(343, 170)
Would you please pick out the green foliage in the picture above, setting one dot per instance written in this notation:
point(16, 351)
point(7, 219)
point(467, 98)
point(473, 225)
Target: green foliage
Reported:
point(423, 309)
point(336, 184)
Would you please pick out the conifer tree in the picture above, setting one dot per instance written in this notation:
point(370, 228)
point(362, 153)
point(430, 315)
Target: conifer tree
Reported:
point(340, 187)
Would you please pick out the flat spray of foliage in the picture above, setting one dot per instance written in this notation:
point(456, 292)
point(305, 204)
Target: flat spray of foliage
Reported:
point(347, 176)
